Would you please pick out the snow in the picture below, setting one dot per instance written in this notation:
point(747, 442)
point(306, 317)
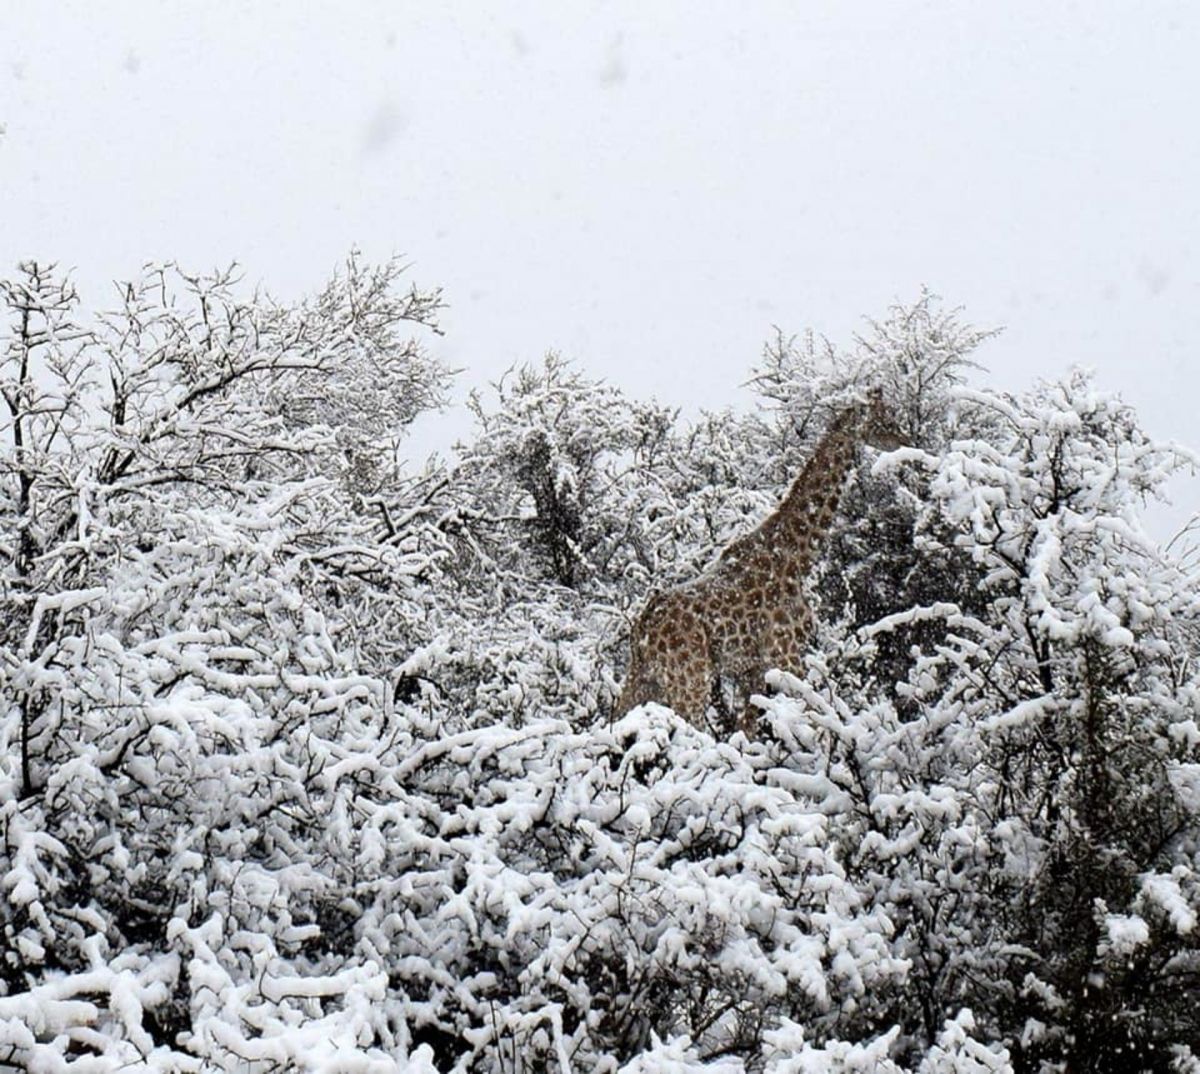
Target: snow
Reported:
point(1126, 933)
point(1166, 892)
point(310, 762)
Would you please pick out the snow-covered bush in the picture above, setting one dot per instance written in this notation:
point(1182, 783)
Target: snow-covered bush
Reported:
point(179, 556)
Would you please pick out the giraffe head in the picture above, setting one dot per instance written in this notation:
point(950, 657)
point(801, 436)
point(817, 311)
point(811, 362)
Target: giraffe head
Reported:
point(879, 427)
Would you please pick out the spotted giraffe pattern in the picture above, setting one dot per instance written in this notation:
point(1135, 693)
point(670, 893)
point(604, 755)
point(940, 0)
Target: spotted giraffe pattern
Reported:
point(749, 612)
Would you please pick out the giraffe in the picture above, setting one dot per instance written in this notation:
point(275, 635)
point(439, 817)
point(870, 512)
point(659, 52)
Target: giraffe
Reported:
point(748, 612)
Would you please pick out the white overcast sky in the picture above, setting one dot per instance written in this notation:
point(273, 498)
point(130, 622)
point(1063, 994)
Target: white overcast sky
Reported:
point(646, 187)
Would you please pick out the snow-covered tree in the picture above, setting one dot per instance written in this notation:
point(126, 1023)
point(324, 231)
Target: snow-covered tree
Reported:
point(306, 759)
point(1026, 816)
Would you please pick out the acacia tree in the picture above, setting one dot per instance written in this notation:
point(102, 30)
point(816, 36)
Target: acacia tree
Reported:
point(556, 462)
point(188, 396)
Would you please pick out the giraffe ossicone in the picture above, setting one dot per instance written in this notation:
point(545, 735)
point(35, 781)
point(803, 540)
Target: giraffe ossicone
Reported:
point(748, 612)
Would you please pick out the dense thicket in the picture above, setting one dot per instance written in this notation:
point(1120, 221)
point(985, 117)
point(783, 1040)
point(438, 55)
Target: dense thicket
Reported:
point(307, 760)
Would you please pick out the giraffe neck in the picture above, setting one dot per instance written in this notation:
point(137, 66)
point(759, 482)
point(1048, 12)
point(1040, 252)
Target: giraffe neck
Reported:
point(804, 518)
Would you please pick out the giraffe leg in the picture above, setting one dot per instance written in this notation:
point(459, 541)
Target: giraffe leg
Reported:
point(787, 646)
point(749, 681)
point(784, 644)
point(644, 682)
point(629, 697)
point(689, 688)
point(663, 647)
point(748, 720)
point(670, 660)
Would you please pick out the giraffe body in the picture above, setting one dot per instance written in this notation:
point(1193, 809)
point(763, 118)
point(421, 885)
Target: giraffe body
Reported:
point(749, 612)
